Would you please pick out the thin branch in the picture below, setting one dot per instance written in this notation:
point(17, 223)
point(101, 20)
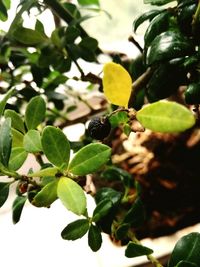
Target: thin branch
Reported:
point(132, 40)
point(139, 84)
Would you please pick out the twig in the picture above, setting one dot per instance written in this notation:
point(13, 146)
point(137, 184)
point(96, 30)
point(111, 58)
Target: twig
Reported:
point(139, 84)
point(132, 40)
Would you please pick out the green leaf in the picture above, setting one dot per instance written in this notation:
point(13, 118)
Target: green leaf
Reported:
point(89, 159)
point(89, 43)
point(39, 27)
point(88, 2)
point(55, 146)
point(168, 45)
point(136, 214)
point(135, 250)
point(5, 141)
point(72, 196)
point(168, 117)
point(5, 99)
point(158, 25)
point(32, 141)
point(28, 36)
point(35, 112)
point(17, 158)
point(3, 11)
point(71, 34)
point(109, 194)
point(186, 249)
point(149, 15)
point(101, 209)
point(16, 120)
point(4, 191)
point(51, 171)
point(186, 264)
point(122, 230)
point(46, 196)
point(118, 118)
point(17, 208)
point(75, 230)
point(157, 2)
point(94, 238)
point(17, 138)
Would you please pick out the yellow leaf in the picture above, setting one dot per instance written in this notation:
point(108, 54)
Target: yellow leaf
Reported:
point(117, 84)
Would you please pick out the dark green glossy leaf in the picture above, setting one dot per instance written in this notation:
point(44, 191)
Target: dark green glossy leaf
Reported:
point(4, 191)
point(165, 81)
point(28, 36)
point(109, 194)
point(88, 2)
point(164, 116)
point(71, 195)
point(5, 141)
point(135, 250)
point(32, 141)
point(122, 230)
point(185, 16)
point(187, 249)
point(71, 34)
point(94, 238)
point(35, 112)
point(89, 43)
point(114, 173)
point(149, 15)
point(17, 158)
point(16, 120)
point(157, 2)
point(75, 230)
point(46, 196)
point(17, 208)
point(186, 264)
point(5, 99)
point(89, 159)
point(136, 214)
point(56, 146)
point(158, 25)
point(102, 209)
point(192, 94)
point(168, 45)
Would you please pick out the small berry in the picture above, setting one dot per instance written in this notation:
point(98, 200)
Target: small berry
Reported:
point(99, 128)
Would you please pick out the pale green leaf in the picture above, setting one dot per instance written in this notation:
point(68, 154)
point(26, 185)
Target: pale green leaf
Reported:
point(17, 158)
point(46, 196)
point(17, 138)
point(89, 159)
point(71, 195)
point(166, 116)
point(5, 141)
point(55, 146)
point(35, 112)
point(16, 120)
point(32, 141)
point(51, 171)
point(5, 99)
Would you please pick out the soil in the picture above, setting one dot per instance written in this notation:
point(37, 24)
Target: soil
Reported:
point(168, 168)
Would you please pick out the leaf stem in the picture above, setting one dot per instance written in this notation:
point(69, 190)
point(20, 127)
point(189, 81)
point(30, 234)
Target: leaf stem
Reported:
point(196, 20)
